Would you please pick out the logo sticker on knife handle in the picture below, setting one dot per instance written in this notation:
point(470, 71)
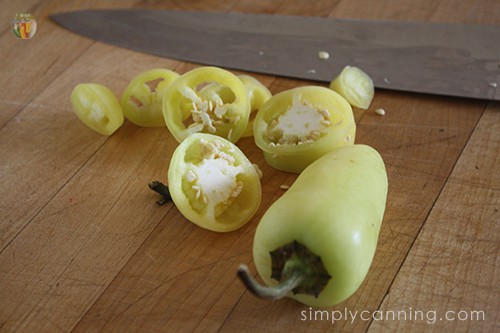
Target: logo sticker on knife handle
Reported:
point(23, 26)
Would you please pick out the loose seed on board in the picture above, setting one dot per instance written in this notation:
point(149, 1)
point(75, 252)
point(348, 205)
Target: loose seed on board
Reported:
point(323, 55)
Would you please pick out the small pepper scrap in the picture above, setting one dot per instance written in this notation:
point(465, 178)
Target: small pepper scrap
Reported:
point(297, 126)
point(355, 86)
point(316, 243)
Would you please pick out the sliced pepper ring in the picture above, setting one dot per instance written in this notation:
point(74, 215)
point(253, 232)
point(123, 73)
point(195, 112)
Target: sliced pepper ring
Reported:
point(297, 126)
point(97, 107)
point(258, 94)
point(143, 97)
point(213, 184)
point(208, 100)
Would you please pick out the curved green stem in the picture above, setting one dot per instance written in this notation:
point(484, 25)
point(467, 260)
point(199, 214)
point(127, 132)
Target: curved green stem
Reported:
point(277, 291)
point(295, 268)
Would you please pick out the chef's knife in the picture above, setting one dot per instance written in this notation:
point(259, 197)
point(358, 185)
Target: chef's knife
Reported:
point(437, 58)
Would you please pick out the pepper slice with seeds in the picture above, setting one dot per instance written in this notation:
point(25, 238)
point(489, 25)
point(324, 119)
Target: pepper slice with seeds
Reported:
point(213, 184)
point(208, 100)
point(297, 126)
point(142, 98)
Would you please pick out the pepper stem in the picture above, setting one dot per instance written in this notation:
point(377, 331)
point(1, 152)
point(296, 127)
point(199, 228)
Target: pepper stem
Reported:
point(295, 268)
point(275, 292)
point(162, 189)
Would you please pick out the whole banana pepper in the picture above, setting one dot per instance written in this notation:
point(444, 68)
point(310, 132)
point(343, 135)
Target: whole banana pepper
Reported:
point(316, 243)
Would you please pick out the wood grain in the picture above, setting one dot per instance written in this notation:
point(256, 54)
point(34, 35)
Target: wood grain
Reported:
point(84, 248)
point(450, 278)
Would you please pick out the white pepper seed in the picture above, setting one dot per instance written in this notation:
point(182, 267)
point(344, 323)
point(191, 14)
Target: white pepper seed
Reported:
point(323, 55)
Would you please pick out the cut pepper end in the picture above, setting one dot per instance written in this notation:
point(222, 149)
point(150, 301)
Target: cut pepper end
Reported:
point(355, 86)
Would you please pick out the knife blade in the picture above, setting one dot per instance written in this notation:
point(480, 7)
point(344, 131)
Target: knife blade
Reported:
point(434, 58)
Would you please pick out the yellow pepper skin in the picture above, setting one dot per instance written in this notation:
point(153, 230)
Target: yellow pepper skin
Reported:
point(142, 99)
point(97, 107)
point(335, 210)
point(298, 126)
point(258, 94)
point(208, 100)
point(213, 184)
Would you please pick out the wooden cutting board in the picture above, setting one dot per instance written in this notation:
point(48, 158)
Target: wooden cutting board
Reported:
point(84, 247)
